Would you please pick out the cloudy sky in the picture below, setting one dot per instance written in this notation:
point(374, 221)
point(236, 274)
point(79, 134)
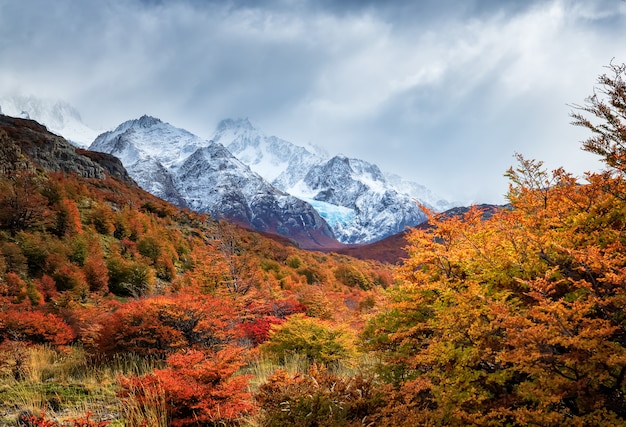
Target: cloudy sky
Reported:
point(442, 92)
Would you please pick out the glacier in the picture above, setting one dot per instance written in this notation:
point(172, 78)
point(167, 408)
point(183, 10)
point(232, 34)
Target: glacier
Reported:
point(335, 216)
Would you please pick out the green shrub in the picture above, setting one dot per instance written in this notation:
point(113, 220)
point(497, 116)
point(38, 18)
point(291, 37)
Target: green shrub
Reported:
point(294, 261)
point(317, 340)
point(351, 276)
point(129, 278)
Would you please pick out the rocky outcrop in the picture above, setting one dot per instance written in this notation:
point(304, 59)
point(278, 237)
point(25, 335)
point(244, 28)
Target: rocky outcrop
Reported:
point(25, 144)
point(111, 164)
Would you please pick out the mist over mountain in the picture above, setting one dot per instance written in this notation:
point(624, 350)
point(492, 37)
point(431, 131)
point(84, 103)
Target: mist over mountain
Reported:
point(59, 117)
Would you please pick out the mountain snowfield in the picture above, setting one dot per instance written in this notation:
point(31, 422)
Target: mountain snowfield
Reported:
point(151, 151)
point(278, 161)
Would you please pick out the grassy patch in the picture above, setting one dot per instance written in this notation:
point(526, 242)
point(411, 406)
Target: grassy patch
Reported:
point(63, 383)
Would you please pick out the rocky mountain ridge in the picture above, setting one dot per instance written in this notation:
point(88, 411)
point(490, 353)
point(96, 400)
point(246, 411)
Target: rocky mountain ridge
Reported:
point(28, 145)
point(186, 170)
point(358, 201)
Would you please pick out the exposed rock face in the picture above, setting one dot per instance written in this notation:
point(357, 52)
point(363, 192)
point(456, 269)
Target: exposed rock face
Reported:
point(11, 157)
point(25, 144)
point(111, 164)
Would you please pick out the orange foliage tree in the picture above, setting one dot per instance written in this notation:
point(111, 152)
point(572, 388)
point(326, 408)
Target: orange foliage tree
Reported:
point(34, 326)
point(23, 205)
point(517, 318)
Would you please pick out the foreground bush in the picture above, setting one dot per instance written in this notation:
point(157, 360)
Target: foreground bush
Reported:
point(35, 327)
point(200, 388)
point(159, 326)
point(318, 398)
point(317, 340)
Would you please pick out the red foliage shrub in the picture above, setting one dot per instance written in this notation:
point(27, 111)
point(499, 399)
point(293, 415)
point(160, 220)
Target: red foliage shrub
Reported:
point(286, 307)
point(96, 273)
point(47, 287)
point(200, 388)
point(86, 321)
point(34, 326)
point(128, 248)
point(266, 314)
point(14, 288)
point(162, 325)
point(69, 277)
point(258, 330)
point(278, 308)
point(68, 218)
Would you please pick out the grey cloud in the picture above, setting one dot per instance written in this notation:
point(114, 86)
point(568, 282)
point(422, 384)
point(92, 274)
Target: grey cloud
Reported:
point(442, 91)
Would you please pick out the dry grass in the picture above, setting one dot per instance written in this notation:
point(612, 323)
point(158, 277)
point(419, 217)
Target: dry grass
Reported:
point(145, 407)
point(262, 368)
point(63, 384)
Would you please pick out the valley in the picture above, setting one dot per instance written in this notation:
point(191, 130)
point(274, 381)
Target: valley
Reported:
point(119, 307)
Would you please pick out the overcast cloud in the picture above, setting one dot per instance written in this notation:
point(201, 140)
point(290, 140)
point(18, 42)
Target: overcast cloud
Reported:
point(441, 92)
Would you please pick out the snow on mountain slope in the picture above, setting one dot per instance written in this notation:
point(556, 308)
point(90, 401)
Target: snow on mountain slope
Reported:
point(204, 176)
point(58, 116)
point(149, 137)
point(278, 161)
point(359, 202)
point(213, 180)
point(150, 150)
point(378, 209)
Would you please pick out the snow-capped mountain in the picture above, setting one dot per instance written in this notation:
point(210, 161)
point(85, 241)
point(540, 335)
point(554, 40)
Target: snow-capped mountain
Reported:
point(360, 203)
point(58, 116)
point(374, 210)
point(278, 161)
point(203, 175)
point(151, 151)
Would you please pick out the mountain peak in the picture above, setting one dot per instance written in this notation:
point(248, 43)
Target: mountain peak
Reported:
point(146, 121)
point(239, 123)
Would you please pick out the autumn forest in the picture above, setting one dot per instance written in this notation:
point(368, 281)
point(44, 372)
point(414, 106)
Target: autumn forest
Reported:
point(117, 308)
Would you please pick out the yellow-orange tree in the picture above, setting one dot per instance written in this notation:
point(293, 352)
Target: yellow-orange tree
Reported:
point(518, 319)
